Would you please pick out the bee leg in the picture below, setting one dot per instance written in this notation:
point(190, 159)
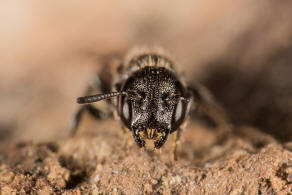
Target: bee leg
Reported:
point(207, 105)
point(97, 86)
point(127, 137)
point(93, 111)
point(175, 143)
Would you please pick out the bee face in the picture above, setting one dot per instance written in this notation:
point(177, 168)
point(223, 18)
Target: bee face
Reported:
point(153, 106)
point(152, 102)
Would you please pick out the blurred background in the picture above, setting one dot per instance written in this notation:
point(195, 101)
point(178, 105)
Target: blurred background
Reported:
point(51, 50)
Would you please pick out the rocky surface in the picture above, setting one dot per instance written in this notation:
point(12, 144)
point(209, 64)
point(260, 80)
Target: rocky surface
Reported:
point(98, 160)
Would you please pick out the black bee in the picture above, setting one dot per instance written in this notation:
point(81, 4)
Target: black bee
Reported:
point(152, 100)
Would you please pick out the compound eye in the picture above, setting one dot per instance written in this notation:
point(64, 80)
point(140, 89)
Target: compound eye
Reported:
point(178, 111)
point(181, 111)
point(126, 109)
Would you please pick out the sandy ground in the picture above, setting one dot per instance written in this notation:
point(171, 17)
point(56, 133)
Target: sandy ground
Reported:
point(100, 161)
point(49, 52)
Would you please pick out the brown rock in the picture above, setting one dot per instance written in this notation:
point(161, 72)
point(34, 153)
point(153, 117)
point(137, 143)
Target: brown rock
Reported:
point(100, 163)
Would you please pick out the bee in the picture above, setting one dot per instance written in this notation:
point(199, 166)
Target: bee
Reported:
point(150, 98)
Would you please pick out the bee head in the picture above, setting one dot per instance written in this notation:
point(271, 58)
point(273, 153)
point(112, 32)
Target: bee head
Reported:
point(156, 104)
point(152, 103)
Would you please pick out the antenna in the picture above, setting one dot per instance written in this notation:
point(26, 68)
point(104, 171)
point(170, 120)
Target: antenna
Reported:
point(98, 97)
